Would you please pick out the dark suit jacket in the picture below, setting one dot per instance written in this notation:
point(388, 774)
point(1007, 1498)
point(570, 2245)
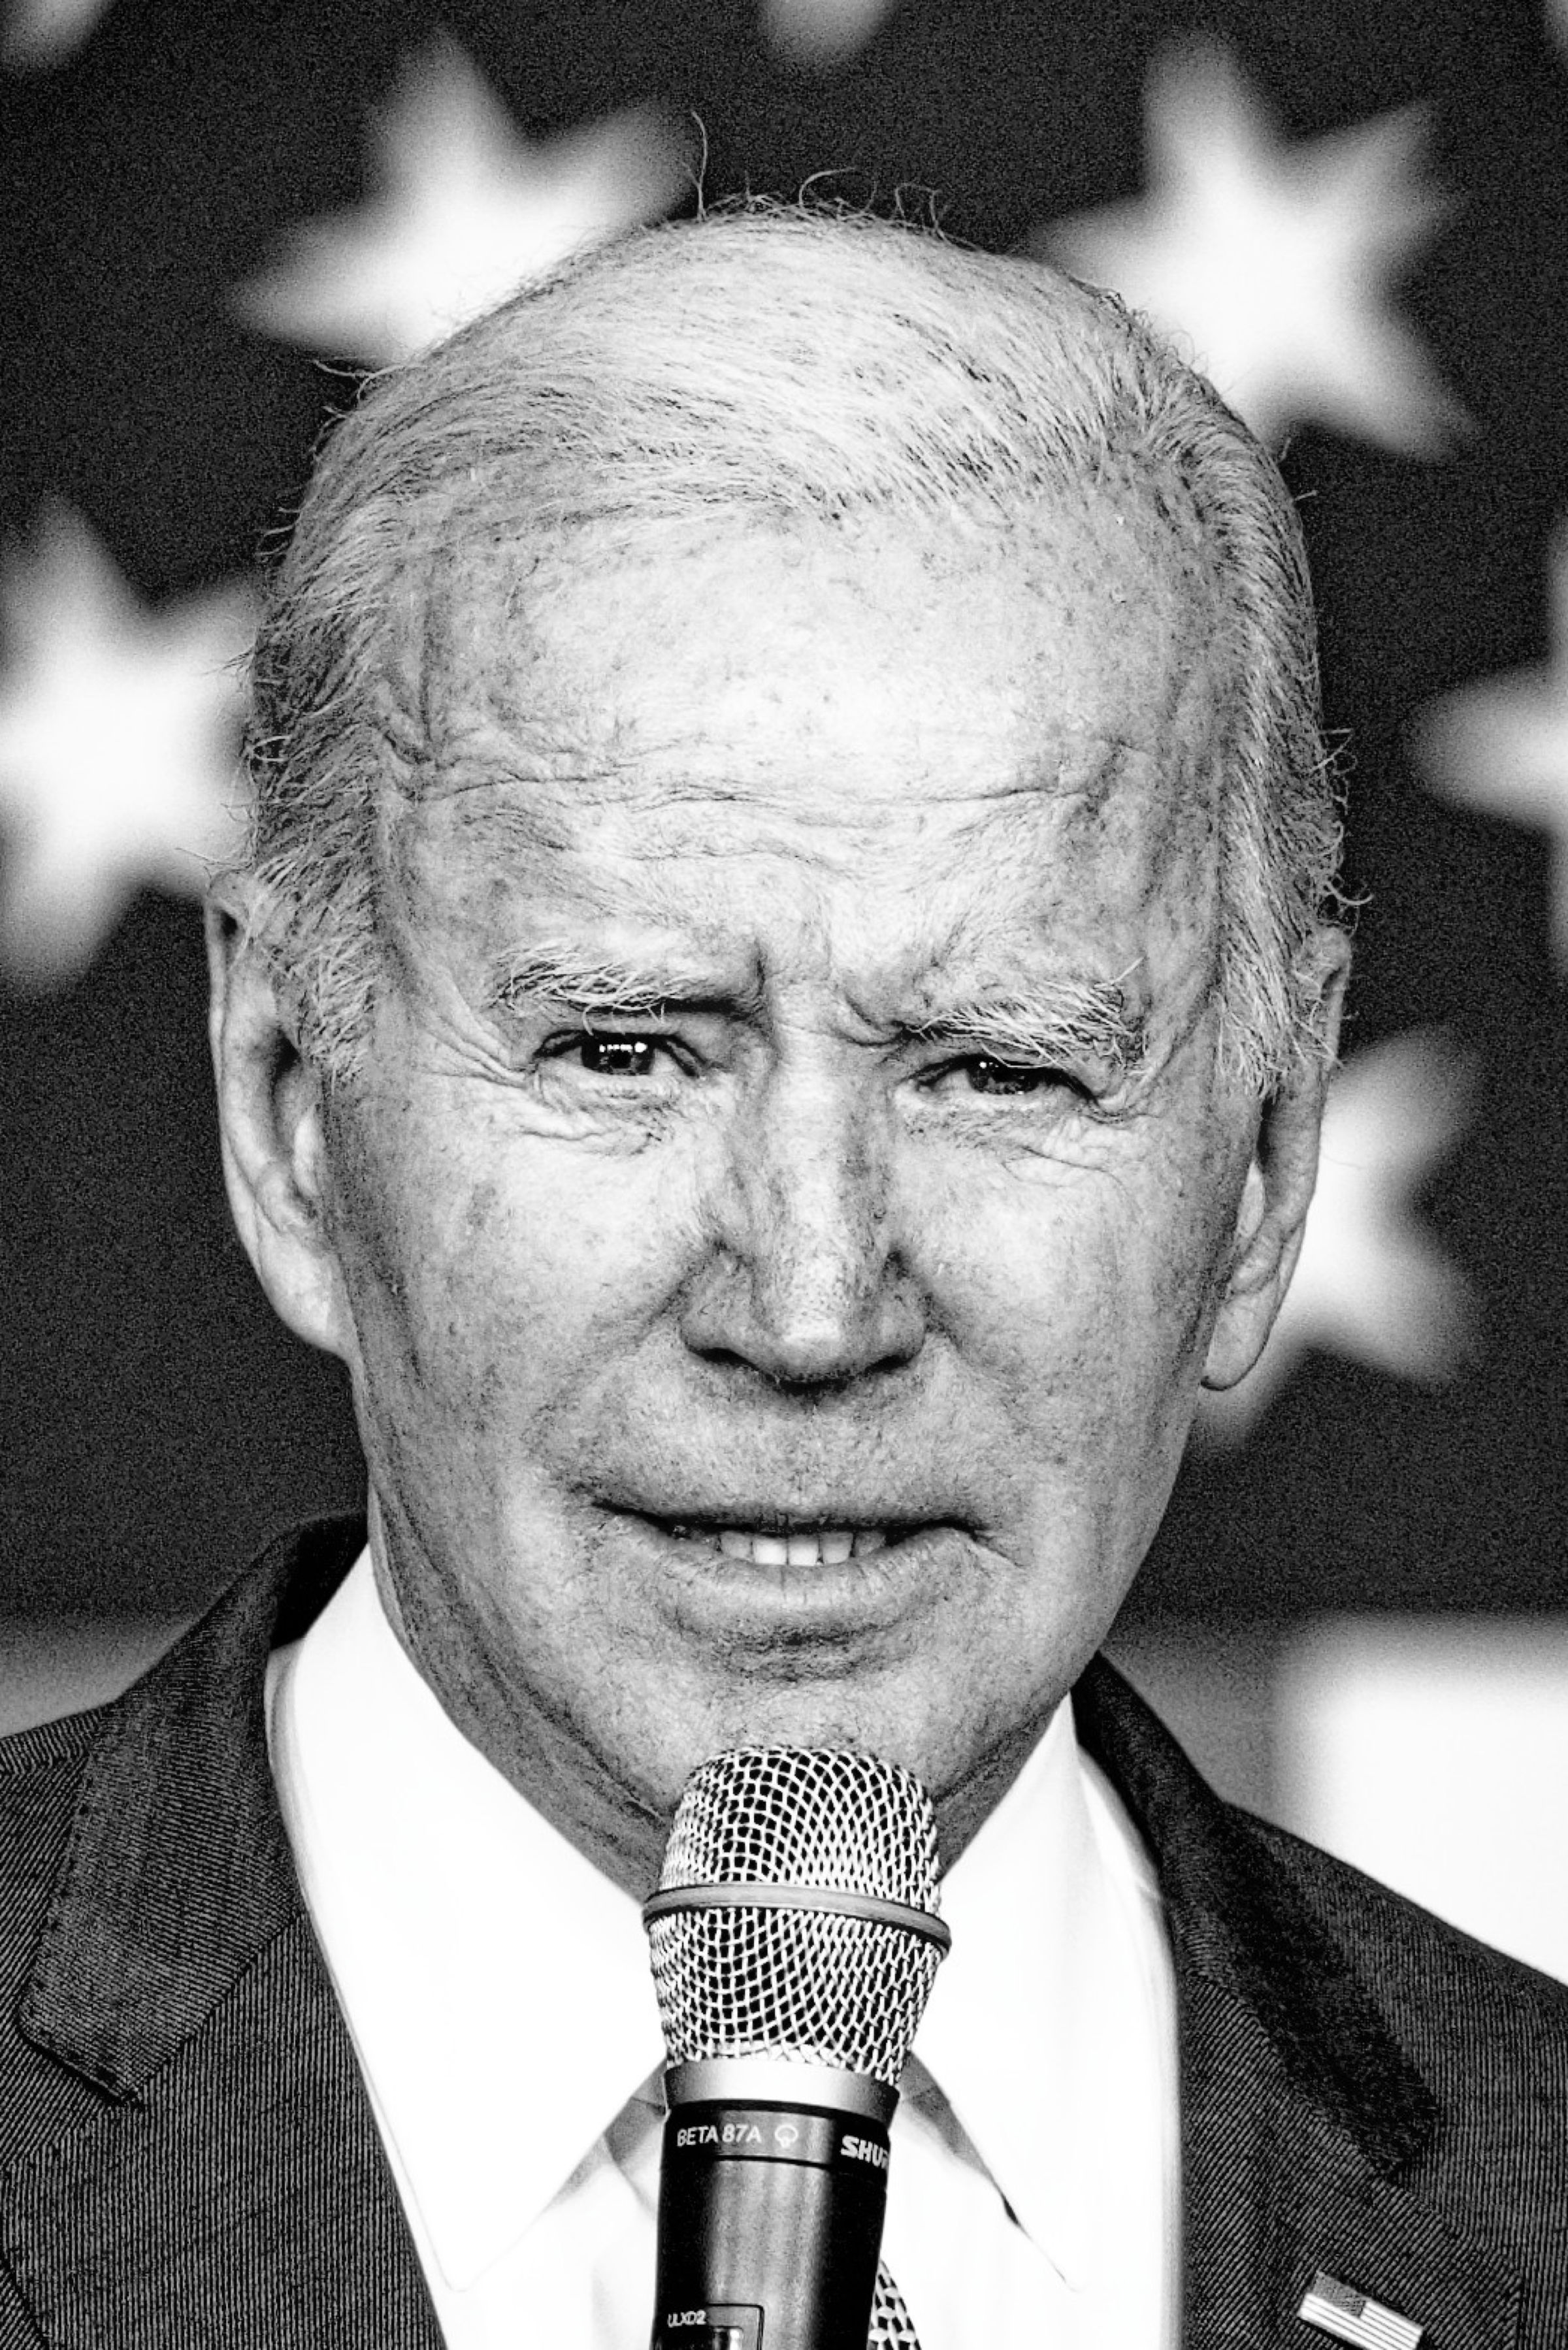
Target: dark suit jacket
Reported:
point(187, 2157)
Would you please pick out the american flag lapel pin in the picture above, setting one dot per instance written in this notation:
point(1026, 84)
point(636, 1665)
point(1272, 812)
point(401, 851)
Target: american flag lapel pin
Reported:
point(1351, 2316)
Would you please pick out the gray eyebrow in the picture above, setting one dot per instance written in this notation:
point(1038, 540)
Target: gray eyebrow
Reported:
point(589, 982)
point(1055, 1020)
point(1059, 1019)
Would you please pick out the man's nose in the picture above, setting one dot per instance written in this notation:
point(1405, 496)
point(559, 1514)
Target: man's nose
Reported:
point(807, 1284)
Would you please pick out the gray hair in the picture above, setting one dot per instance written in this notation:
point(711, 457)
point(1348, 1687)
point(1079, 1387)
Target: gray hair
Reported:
point(798, 365)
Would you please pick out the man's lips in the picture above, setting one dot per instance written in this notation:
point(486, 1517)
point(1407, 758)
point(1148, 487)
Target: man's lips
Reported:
point(795, 1546)
point(716, 1580)
point(792, 1538)
point(666, 1509)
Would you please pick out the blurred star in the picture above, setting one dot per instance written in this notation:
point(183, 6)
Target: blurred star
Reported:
point(1273, 261)
point(118, 735)
point(38, 34)
point(1503, 746)
point(1370, 1284)
point(822, 33)
point(469, 210)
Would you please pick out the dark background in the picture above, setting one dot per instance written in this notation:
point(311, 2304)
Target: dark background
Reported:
point(154, 1420)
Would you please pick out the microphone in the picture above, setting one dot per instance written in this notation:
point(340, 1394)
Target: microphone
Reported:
point(794, 1941)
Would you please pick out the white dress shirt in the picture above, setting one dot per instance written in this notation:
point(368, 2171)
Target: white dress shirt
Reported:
point(497, 1991)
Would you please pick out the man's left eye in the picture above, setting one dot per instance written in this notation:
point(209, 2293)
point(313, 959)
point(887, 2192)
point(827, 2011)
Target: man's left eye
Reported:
point(987, 1076)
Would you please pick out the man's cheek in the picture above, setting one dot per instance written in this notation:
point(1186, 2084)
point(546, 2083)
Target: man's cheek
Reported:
point(497, 1332)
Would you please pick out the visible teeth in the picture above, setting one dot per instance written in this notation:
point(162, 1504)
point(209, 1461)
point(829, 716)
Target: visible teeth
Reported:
point(762, 1550)
point(829, 1548)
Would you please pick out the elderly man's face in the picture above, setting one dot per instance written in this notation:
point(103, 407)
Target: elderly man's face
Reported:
point(790, 1198)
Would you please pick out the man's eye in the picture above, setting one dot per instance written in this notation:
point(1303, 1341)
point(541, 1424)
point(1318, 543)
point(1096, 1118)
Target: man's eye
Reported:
point(610, 1056)
point(987, 1076)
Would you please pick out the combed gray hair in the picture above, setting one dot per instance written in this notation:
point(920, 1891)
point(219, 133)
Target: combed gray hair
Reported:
point(796, 364)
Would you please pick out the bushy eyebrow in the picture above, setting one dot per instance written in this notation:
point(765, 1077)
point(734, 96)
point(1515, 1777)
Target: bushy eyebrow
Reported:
point(1055, 1020)
point(1059, 1020)
point(605, 985)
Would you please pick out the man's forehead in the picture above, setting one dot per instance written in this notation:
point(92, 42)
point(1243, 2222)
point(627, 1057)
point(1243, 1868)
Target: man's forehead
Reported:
point(513, 643)
point(885, 736)
point(968, 888)
point(508, 802)
point(631, 915)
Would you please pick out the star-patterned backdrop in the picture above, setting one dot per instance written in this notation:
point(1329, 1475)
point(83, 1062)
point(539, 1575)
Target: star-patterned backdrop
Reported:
point(216, 217)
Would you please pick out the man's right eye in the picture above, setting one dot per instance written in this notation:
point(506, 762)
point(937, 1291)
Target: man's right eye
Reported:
point(608, 1057)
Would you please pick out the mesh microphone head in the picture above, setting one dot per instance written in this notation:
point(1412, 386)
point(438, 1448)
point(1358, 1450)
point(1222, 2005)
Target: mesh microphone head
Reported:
point(805, 1985)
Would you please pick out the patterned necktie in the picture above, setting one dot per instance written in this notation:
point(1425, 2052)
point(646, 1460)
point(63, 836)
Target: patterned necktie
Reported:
point(891, 2328)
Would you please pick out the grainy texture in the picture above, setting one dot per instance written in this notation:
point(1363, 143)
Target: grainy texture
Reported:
point(187, 2157)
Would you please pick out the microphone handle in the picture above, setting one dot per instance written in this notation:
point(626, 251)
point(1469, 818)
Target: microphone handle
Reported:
point(770, 2227)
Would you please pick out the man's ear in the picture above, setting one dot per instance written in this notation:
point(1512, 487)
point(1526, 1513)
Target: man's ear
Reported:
point(270, 1117)
point(1278, 1189)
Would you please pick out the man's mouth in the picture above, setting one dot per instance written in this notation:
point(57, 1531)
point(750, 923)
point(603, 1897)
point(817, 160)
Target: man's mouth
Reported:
point(793, 1547)
point(767, 1538)
point(776, 1577)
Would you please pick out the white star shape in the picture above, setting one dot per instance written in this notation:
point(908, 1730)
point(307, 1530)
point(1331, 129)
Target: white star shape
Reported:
point(1369, 1283)
point(1273, 260)
point(822, 33)
point(39, 33)
point(469, 210)
point(118, 735)
point(1503, 746)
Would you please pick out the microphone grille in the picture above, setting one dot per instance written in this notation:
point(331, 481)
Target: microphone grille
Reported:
point(811, 1985)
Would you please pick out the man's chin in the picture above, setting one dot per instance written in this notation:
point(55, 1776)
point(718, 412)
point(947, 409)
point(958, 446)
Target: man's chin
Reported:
point(885, 1650)
point(908, 1714)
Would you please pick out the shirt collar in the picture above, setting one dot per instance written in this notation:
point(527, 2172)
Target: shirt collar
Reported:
point(495, 1984)
point(1039, 2019)
point(491, 1974)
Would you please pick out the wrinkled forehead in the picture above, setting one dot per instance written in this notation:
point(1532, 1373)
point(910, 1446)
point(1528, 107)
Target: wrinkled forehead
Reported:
point(1073, 653)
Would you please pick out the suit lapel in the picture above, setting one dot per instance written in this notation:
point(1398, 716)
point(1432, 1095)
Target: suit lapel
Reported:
point(1300, 2115)
point(1277, 2191)
point(209, 2176)
point(225, 2183)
